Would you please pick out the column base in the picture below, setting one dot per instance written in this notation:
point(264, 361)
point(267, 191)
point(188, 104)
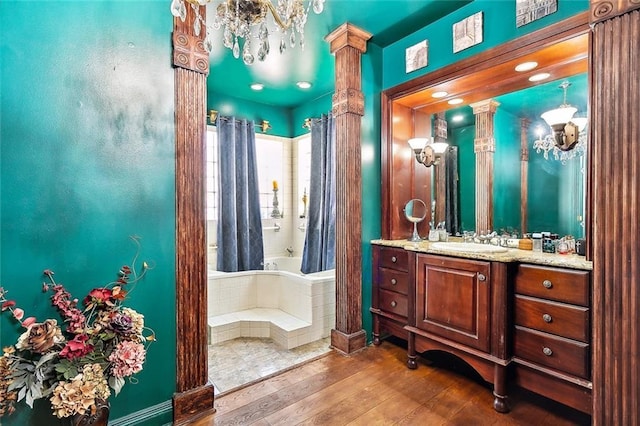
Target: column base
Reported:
point(348, 343)
point(192, 403)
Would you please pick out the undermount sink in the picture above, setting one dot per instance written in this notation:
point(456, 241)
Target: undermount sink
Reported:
point(468, 247)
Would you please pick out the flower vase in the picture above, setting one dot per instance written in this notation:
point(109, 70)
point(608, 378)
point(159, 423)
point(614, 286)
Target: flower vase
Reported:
point(99, 418)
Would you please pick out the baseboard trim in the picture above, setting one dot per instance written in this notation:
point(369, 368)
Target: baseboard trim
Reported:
point(144, 415)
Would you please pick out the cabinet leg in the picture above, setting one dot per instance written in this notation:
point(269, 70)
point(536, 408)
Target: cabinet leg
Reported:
point(500, 402)
point(376, 330)
point(411, 352)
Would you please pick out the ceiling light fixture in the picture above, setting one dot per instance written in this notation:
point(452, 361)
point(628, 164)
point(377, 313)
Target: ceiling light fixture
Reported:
point(257, 86)
point(539, 77)
point(303, 85)
point(526, 66)
point(455, 101)
point(440, 94)
point(248, 19)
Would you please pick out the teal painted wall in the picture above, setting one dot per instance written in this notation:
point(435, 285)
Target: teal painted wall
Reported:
point(319, 106)
point(279, 118)
point(499, 27)
point(88, 160)
point(506, 172)
point(371, 171)
point(463, 137)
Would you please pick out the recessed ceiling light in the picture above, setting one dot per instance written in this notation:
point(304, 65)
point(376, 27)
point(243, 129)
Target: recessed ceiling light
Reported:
point(303, 84)
point(457, 118)
point(526, 66)
point(439, 94)
point(539, 77)
point(257, 86)
point(455, 101)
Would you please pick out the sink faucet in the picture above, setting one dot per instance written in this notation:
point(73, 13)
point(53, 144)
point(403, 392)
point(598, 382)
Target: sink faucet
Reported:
point(290, 251)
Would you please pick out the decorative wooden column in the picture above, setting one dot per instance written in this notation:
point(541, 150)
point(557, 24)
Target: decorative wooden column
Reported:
point(347, 44)
point(484, 145)
point(191, 61)
point(614, 85)
point(440, 170)
point(524, 173)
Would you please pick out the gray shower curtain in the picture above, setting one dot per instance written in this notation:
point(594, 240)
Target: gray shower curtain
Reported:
point(319, 252)
point(452, 211)
point(239, 224)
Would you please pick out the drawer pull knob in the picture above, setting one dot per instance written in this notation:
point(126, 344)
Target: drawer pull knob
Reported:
point(481, 277)
point(547, 284)
point(394, 281)
point(394, 259)
point(547, 318)
point(547, 351)
point(394, 304)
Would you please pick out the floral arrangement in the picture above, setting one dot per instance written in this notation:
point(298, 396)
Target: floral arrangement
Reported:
point(100, 347)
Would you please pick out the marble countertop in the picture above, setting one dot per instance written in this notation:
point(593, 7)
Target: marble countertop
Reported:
point(572, 261)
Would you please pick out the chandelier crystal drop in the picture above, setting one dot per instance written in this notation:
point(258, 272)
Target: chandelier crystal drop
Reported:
point(252, 21)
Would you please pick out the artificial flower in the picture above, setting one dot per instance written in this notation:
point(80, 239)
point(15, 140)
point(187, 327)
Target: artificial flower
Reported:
point(40, 337)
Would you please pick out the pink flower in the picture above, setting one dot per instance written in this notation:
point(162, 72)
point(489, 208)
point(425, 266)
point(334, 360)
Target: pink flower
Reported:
point(29, 321)
point(127, 359)
point(18, 313)
point(76, 348)
point(8, 304)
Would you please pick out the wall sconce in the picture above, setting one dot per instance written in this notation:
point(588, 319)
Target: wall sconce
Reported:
point(427, 152)
point(565, 131)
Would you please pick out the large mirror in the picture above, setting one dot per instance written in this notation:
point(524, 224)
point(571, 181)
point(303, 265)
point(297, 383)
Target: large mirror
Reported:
point(528, 190)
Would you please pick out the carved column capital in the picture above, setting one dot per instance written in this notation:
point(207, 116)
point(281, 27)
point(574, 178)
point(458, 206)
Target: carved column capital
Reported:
point(348, 100)
point(600, 10)
point(348, 35)
point(488, 105)
point(189, 53)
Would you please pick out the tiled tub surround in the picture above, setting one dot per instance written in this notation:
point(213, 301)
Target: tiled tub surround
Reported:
point(289, 307)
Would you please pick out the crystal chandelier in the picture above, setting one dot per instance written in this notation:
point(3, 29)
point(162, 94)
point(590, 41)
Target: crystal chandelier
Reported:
point(568, 137)
point(248, 20)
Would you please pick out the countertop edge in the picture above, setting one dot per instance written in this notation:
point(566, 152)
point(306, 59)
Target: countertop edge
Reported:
point(571, 261)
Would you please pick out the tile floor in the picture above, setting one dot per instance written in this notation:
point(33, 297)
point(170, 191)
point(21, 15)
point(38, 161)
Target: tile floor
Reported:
point(236, 363)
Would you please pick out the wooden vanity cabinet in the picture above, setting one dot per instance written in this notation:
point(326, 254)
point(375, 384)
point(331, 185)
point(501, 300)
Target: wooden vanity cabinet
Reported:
point(393, 270)
point(552, 339)
point(461, 307)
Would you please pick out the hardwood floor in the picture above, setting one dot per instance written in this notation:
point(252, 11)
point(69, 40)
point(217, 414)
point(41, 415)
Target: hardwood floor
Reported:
point(374, 387)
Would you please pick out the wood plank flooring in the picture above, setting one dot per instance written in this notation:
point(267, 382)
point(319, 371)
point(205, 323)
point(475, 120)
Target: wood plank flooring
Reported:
point(374, 387)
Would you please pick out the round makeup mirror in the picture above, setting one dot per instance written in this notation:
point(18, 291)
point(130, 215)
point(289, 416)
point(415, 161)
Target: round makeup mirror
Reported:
point(415, 211)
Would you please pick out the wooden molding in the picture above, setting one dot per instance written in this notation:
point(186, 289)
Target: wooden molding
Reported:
point(348, 343)
point(601, 10)
point(193, 403)
point(348, 100)
point(524, 174)
point(348, 35)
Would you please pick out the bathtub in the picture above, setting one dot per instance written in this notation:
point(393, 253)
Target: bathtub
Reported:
point(279, 302)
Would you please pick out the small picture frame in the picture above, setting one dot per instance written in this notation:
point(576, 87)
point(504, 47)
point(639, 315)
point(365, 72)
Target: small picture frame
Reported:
point(416, 56)
point(467, 33)
point(530, 10)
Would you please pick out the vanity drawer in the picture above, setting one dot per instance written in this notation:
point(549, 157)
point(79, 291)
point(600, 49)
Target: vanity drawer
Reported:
point(552, 317)
point(393, 302)
point(555, 352)
point(393, 280)
point(394, 258)
point(562, 285)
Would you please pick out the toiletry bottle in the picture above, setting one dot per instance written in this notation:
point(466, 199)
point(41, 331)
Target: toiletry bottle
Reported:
point(537, 242)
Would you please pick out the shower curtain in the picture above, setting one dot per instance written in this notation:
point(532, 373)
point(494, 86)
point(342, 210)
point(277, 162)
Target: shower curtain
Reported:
point(320, 242)
point(452, 211)
point(239, 224)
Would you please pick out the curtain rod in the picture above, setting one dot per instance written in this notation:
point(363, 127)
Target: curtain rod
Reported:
point(263, 125)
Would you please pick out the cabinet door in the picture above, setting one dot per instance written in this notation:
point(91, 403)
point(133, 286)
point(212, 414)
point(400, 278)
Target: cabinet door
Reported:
point(453, 298)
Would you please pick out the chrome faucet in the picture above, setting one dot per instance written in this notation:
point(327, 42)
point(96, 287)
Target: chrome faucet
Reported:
point(290, 251)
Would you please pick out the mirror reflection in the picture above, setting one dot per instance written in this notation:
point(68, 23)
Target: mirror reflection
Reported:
point(552, 195)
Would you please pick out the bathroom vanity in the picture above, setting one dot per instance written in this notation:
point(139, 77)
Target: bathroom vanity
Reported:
point(516, 317)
